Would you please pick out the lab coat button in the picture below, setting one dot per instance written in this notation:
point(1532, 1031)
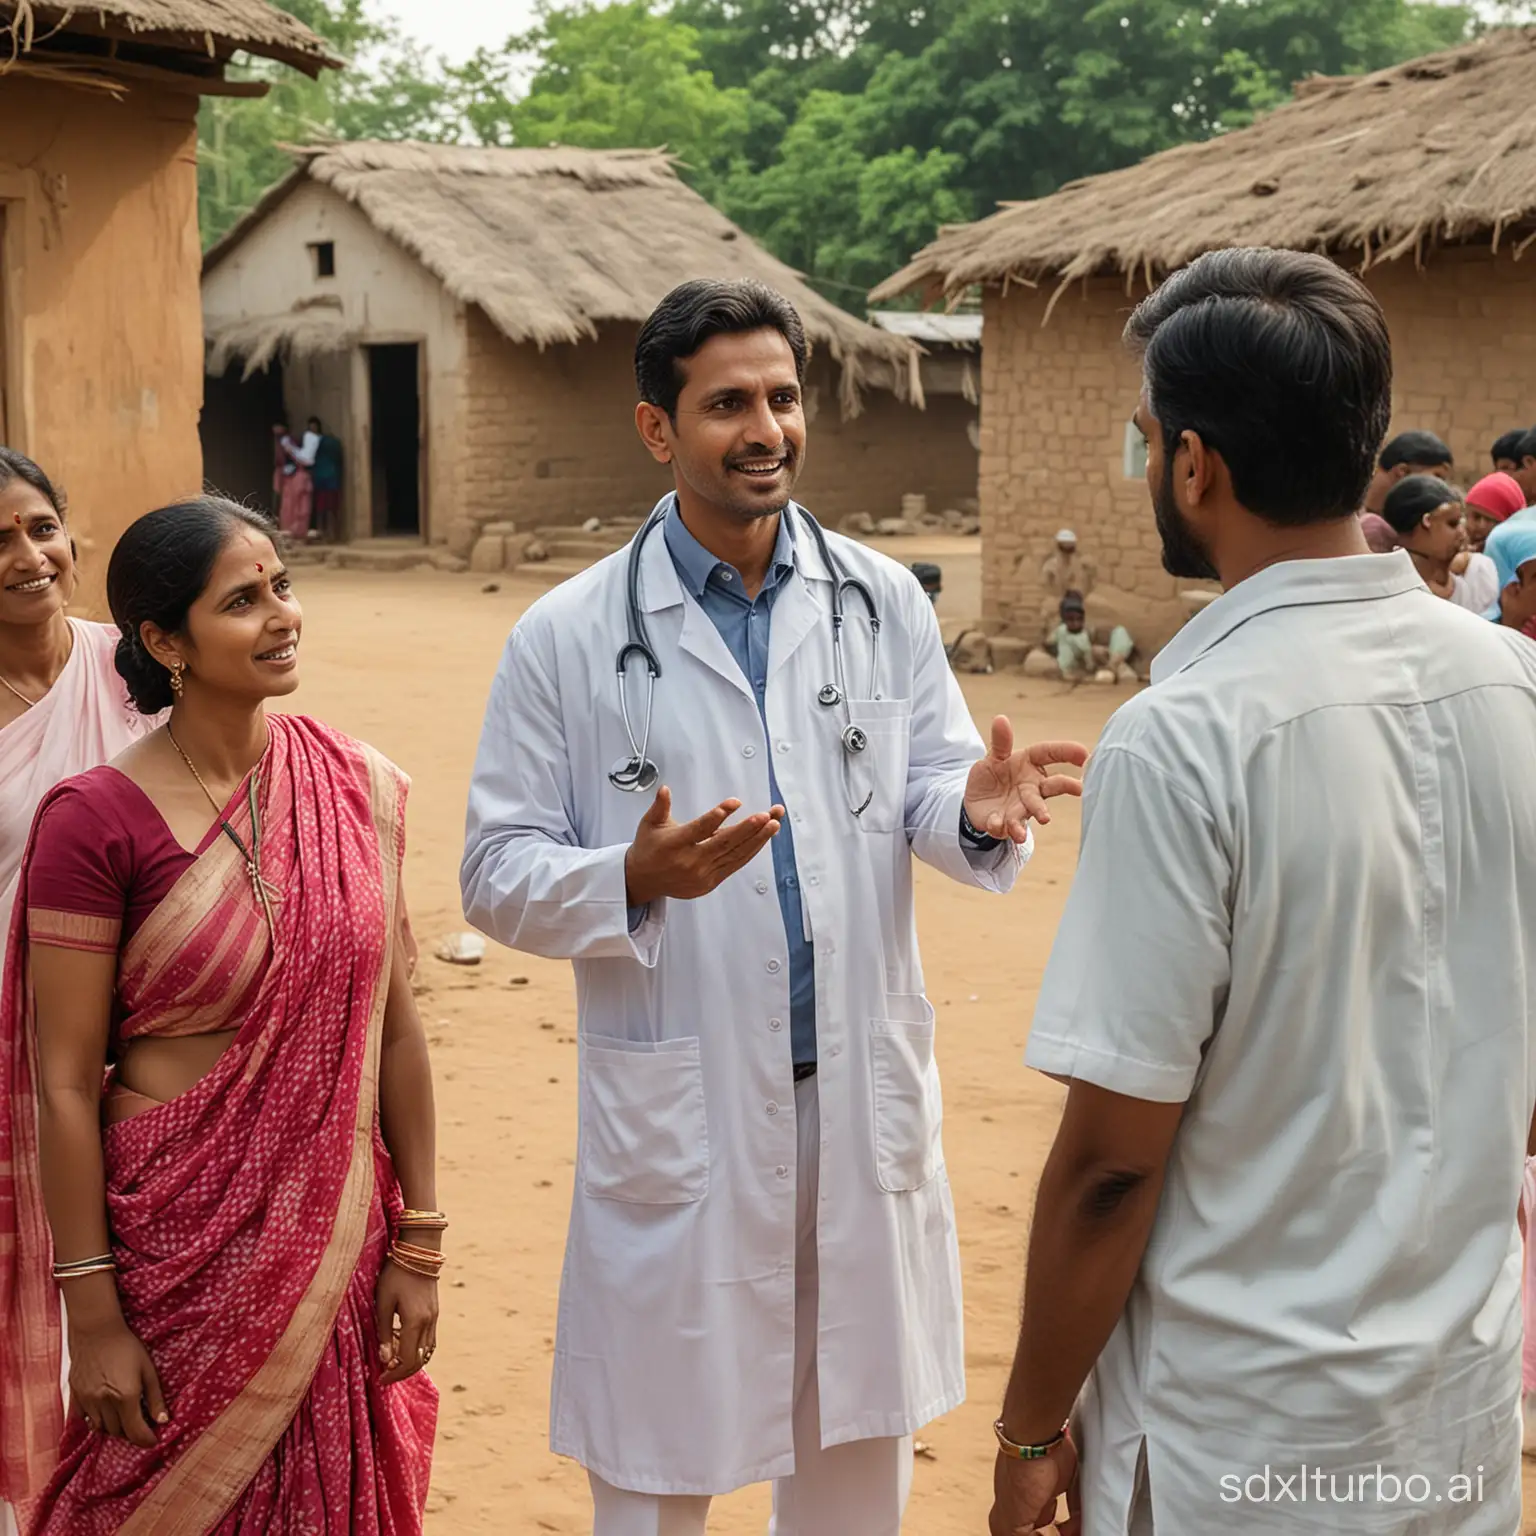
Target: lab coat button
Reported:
point(762, 887)
point(771, 1107)
point(782, 1171)
point(783, 746)
point(749, 750)
point(775, 1025)
point(774, 967)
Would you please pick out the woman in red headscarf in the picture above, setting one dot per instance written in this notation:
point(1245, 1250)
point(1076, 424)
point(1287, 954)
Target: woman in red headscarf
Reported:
point(1489, 502)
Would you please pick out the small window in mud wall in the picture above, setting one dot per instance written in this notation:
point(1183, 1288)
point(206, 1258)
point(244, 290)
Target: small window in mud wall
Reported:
point(324, 253)
point(1135, 452)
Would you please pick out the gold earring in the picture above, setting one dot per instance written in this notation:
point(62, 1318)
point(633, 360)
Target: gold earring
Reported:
point(177, 686)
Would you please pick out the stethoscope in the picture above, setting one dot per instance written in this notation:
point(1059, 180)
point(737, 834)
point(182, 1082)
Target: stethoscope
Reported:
point(638, 773)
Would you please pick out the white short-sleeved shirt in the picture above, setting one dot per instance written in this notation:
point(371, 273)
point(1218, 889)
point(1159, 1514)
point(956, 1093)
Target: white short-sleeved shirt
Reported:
point(1306, 904)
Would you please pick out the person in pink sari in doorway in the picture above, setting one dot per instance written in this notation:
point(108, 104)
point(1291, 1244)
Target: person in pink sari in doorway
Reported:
point(242, 1219)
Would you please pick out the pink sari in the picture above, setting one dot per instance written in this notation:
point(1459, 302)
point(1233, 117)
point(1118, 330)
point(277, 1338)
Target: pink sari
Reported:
point(84, 720)
point(248, 1215)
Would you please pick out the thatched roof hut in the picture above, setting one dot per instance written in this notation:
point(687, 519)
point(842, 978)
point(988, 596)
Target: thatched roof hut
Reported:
point(112, 45)
point(465, 319)
point(1422, 177)
point(553, 243)
point(1370, 168)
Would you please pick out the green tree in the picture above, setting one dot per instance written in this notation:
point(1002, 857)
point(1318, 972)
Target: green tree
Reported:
point(610, 77)
point(389, 90)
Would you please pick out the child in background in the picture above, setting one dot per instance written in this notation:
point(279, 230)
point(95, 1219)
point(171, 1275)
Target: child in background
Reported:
point(1073, 647)
point(1079, 658)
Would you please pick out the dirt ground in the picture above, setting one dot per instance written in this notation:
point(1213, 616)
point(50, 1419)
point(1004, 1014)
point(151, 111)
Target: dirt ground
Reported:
point(405, 662)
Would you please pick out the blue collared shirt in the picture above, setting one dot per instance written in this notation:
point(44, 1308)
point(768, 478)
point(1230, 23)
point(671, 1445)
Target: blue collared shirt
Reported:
point(743, 624)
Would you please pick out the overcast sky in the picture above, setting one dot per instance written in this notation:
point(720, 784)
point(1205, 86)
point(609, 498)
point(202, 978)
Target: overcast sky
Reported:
point(457, 27)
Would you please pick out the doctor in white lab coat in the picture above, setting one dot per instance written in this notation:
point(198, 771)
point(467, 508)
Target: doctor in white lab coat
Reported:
point(761, 1277)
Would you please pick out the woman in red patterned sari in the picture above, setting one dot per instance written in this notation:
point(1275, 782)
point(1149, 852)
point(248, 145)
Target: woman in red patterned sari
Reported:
point(241, 1220)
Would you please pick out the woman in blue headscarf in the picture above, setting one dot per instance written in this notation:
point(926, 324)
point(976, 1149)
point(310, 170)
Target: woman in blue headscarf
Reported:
point(1512, 548)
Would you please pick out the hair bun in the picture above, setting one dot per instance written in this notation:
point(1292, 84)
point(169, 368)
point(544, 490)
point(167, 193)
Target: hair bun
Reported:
point(149, 684)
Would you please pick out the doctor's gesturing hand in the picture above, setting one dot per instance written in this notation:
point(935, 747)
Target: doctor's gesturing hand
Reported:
point(1007, 790)
point(691, 859)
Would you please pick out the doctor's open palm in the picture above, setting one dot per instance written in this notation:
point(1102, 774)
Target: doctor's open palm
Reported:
point(1008, 789)
point(691, 858)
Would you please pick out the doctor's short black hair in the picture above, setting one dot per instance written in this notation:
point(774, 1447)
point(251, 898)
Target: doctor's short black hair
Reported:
point(1259, 351)
point(696, 311)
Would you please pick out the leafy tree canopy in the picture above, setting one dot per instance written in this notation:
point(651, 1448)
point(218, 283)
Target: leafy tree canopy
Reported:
point(841, 133)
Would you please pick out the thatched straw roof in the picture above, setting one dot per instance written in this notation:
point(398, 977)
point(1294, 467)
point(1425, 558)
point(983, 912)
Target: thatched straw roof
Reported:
point(311, 327)
point(551, 243)
point(1378, 167)
point(211, 28)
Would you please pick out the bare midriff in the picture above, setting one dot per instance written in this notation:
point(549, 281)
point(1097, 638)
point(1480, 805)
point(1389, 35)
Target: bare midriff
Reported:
point(162, 1069)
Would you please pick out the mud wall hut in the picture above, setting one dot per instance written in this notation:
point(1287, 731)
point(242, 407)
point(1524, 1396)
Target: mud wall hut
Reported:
point(1422, 177)
point(100, 324)
point(464, 320)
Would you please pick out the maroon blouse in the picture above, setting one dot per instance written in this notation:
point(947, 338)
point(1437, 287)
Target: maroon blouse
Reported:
point(101, 850)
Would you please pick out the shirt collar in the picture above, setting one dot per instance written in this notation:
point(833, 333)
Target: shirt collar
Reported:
point(1287, 584)
point(695, 565)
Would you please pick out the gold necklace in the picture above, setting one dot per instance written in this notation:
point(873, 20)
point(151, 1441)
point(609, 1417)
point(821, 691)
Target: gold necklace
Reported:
point(30, 703)
point(33, 703)
point(252, 856)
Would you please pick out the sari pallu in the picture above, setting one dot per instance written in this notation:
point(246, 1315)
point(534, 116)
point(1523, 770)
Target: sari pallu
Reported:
point(248, 1216)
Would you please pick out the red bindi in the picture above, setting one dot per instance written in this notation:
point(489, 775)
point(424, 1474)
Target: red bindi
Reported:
point(258, 565)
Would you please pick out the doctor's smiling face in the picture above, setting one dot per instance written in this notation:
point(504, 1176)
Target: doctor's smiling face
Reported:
point(720, 368)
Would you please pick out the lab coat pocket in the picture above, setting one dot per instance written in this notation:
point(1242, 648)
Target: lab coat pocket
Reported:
point(908, 1104)
point(643, 1132)
point(880, 770)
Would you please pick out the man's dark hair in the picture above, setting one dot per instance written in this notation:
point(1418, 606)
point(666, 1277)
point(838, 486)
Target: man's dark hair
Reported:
point(1421, 449)
point(1527, 447)
point(694, 312)
point(1508, 446)
point(1281, 362)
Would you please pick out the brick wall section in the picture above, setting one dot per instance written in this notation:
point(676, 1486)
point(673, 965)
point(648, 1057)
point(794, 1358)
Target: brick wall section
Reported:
point(548, 438)
point(1054, 403)
point(1055, 399)
point(1463, 348)
point(868, 463)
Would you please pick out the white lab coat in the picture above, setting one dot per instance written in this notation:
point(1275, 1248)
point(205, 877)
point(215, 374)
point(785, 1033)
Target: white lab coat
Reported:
point(675, 1355)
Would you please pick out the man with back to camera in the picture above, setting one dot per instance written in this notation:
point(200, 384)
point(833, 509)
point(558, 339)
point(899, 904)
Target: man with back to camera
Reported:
point(761, 1277)
point(1276, 1236)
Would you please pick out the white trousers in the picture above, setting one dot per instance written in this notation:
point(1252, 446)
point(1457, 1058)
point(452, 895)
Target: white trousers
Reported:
point(850, 1490)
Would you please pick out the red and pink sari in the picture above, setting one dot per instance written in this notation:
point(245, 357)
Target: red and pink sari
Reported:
point(249, 1216)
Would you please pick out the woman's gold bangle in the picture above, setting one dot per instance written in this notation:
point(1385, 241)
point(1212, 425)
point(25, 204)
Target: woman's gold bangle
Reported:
point(76, 1269)
point(422, 1221)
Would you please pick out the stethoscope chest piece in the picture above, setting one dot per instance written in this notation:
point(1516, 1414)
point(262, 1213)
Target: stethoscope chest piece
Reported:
point(854, 740)
point(634, 775)
point(830, 696)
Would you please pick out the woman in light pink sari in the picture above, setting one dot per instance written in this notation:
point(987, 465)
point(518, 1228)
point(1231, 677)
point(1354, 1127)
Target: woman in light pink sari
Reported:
point(63, 708)
point(242, 1218)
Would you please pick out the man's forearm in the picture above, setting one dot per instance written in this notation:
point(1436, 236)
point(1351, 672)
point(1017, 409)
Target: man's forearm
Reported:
point(1089, 1233)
